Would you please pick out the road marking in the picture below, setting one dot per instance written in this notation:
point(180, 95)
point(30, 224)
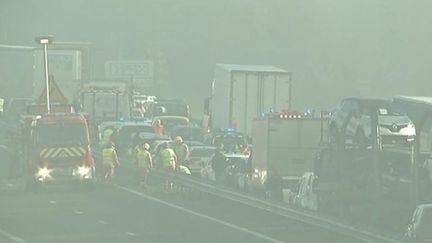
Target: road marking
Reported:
point(52, 202)
point(230, 225)
point(130, 234)
point(102, 222)
point(11, 237)
point(77, 212)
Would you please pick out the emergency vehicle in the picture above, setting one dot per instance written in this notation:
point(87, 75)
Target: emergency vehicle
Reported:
point(56, 146)
point(58, 149)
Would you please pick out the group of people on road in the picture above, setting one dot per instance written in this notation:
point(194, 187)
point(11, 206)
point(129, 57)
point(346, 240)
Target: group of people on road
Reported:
point(172, 156)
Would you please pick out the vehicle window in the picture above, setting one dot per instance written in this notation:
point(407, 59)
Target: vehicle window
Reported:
point(202, 152)
point(171, 109)
point(426, 217)
point(61, 134)
point(346, 105)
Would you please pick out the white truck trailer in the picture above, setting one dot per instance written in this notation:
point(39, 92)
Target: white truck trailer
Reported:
point(105, 100)
point(286, 143)
point(242, 92)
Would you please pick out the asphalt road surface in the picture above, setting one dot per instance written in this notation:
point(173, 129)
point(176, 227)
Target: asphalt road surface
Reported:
point(122, 212)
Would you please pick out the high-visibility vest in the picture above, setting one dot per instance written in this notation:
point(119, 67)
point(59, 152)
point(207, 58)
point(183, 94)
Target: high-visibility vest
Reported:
point(108, 156)
point(143, 158)
point(168, 157)
point(181, 151)
point(1, 105)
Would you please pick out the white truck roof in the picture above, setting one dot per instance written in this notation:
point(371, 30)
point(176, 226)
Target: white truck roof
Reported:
point(251, 68)
point(416, 99)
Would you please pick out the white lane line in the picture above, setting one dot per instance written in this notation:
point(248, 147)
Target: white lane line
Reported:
point(230, 225)
point(12, 237)
point(130, 234)
point(77, 212)
point(102, 222)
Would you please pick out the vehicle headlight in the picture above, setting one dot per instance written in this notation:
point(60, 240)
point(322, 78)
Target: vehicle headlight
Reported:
point(43, 173)
point(83, 171)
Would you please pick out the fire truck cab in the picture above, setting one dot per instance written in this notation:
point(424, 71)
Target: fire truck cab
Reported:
point(58, 149)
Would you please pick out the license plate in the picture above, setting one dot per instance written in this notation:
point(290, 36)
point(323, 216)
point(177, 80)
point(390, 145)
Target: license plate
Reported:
point(63, 172)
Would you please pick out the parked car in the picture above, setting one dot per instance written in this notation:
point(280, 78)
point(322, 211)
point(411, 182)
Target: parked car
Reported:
point(128, 135)
point(306, 196)
point(199, 156)
point(169, 122)
point(235, 173)
point(231, 142)
point(419, 229)
point(188, 133)
point(351, 122)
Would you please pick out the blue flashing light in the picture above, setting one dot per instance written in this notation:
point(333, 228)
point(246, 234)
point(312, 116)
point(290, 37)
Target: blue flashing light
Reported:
point(230, 131)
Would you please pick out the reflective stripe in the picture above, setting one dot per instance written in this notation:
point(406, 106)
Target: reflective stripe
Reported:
point(107, 156)
point(62, 152)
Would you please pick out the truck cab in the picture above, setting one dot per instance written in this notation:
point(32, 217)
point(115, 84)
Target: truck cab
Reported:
point(58, 149)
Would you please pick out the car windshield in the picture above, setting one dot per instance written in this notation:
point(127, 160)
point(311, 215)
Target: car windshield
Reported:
point(426, 218)
point(61, 134)
point(202, 152)
point(189, 133)
point(172, 109)
point(228, 141)
point(171, 122)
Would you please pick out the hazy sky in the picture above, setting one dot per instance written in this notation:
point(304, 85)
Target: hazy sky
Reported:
point(335, 48)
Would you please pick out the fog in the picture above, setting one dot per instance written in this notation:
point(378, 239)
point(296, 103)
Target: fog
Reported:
point(335, 48)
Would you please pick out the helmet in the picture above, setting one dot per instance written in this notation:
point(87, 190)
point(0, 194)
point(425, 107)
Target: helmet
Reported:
point(178, 139)
point(146, 146)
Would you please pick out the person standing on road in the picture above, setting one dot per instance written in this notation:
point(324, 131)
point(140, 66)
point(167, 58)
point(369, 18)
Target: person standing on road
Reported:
point(181, 150)
point(218, 164)
point(144, 163)
point(110, 161)
point(107, 137)
point(169, 161)
point(158, 127)
point(168, 157)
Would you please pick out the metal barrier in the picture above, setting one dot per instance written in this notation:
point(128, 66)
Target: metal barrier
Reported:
point(294, 214)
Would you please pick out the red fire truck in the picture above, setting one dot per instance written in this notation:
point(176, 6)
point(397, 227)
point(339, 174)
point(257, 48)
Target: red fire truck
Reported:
point(58, 149)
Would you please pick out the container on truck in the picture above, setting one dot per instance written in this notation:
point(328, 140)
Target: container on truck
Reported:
point(105, 100)
point(285, 142)
point(242, 92)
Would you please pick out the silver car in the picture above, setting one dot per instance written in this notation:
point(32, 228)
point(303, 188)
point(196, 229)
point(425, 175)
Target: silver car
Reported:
point(351, 122)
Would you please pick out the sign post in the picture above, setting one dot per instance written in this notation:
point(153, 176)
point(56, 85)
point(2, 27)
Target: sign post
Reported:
point(45, 40)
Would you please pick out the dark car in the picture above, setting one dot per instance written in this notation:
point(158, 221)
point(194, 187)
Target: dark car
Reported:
point(189, 133)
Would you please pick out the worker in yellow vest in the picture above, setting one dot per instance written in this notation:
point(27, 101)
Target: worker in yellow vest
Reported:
point(144, 163)
point(110, 161)
point(181, 150)
point(169, 159)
